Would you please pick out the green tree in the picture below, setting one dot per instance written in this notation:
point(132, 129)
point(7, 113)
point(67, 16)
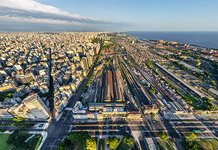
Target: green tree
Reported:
point(190, 145)
point(112, 142)
point(213, 83)
point(67, 142)
point(18, 138)
point(211, 107)
point(149, 64)
point(61, 146)
point(128, 141)
point(201, 77)
point(101, 144)
point(163, 135)
point(12, 137)
point(152, 115)
point(209, 100)
point(91, 143)
point(152, 90)
point(78, 137)
point(192, 136)
point(5, 96)
point(18, 119)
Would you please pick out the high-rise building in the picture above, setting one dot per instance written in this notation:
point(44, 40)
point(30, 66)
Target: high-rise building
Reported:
point(25, 78)
point(84, 63)
point(32, 107)
point(90, 60)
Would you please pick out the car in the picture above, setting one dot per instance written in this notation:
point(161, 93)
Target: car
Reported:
point(41, 125)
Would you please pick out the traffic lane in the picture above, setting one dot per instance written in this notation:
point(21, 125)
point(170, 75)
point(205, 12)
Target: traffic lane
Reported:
point(191, 129)
point(78, 93)
point(117, 123)
point(171, 130)
point(145, 134)
point(50, 144)
point(155, 123)
point(177, 124)
point(143, 143)
point(53, 143)
point(123, 128)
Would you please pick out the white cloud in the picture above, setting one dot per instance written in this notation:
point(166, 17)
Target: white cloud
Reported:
point(34, 6)
point(34, 12)
point(39, 20)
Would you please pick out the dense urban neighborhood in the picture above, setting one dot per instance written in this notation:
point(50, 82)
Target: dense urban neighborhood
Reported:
point(106, 91)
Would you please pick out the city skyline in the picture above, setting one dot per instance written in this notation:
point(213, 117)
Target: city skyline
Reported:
point(110, 15)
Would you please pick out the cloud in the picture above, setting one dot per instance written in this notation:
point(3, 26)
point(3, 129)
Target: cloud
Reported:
point(38, 20)
point(33, 6)
point(29, 12)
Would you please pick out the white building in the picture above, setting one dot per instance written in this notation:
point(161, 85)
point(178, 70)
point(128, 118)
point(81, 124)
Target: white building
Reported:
point(32, 107)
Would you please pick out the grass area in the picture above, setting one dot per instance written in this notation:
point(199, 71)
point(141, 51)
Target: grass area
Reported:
point(165, 145)
point(3, 142)
point(38, 142)
point(101, 144)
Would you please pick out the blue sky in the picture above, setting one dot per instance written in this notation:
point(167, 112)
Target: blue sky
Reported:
point(122, 15)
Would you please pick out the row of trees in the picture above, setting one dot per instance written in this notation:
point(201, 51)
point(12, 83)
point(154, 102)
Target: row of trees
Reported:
point(84, 140)
point(151, 90)
point(20, 139)
point(190, 143)
point(128, 141)
point(202, 76)
point(112, 142)
point(163, 135)
point(78, 138)
point(91, 143)
point(149, 64)
point(5, 96)
point(208, 104)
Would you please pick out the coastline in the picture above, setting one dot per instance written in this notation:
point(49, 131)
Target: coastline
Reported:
point(174, 36)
